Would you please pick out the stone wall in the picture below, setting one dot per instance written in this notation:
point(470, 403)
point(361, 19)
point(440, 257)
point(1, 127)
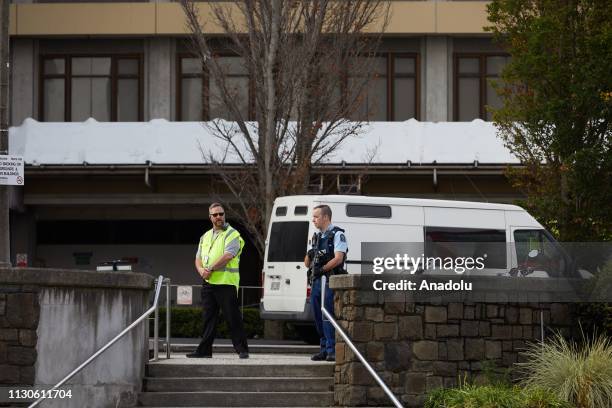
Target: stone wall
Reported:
point(419, 346)
point(52, 320)
point(19, 314)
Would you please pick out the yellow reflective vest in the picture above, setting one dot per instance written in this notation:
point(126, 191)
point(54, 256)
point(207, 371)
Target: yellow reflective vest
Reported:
point(212, 249)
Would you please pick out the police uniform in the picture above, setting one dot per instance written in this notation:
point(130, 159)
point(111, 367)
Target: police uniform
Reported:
point(220, 290)
point(324, 328)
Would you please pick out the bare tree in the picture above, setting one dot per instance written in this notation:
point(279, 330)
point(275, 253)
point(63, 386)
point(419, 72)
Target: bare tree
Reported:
point(309, 64)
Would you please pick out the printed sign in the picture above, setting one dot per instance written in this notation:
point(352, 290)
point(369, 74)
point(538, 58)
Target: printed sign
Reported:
point(184, 295)
point(11, 171)
point(21, 260)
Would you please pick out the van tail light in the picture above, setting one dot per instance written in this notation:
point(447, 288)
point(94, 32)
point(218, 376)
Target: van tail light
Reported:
point(308, 290)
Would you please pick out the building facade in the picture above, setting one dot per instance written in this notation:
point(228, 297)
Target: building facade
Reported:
point(131, 62)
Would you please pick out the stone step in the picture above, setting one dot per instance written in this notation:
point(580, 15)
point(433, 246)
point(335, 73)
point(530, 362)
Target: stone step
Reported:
point(235, 399)
point(239, 370)
point(244, 384)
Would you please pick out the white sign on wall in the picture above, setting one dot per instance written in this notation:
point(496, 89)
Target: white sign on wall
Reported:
point(11, 170)
point(184, 295)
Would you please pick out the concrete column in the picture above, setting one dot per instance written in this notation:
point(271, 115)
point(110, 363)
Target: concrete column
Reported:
point(437, 83)
point(159, 79)
point(23, 80)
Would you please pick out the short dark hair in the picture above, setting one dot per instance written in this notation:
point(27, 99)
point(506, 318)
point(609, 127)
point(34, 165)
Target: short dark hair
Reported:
point(213, 205)
point(325, 210)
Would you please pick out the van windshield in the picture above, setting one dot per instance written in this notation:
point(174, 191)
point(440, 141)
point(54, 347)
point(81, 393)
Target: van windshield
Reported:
point(288, 241)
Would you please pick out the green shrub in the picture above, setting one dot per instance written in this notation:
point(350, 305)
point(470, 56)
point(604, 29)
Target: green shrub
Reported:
point(578, 373)
point(187, 322)
point(493, 396)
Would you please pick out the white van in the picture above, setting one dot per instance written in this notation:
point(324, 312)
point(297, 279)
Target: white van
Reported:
point(371, 220)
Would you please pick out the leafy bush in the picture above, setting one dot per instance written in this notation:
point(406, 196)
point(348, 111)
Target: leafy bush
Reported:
point(578, 373)
point(187, 322)
point(493, 396)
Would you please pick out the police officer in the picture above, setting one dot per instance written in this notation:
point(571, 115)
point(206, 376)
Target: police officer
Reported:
point(332, 247)
point(217, 261)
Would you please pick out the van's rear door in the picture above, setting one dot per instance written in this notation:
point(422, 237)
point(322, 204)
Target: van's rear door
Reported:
point(285, 273)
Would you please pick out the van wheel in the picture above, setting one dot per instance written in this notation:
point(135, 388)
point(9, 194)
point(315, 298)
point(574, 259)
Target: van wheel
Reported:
point(307, 333)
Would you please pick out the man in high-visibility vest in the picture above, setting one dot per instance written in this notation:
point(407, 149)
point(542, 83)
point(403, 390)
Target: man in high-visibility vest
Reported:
point(217, 261)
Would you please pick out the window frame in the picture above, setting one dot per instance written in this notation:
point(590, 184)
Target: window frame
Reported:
point(67, 77)
point(390, 82)
point(482, 76)
point(205, 87)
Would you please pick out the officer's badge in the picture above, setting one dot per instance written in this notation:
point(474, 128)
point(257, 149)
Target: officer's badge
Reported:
point(342, 238)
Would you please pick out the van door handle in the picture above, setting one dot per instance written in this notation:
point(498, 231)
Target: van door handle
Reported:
point(297, 267)
point(288, 281)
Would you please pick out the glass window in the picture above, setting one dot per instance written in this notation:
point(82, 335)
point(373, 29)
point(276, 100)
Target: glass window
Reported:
point(368, 211)
point(200, 97)
point(469, 97)
point(91, 88)
point(54, 100)
point(280, 211)
point(288, 241)
point(490, 244)
point(127, 100)
point(548, 256)
point(474, 92)
point(392, 92)
point(300, 210)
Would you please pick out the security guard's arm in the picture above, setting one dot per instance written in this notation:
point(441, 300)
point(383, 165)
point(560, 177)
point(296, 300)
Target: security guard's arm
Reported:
point(335, 261)
point(221, 262)
point(200, 268)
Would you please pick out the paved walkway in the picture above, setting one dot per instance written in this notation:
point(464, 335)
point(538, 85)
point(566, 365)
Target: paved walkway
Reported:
point(232, 359)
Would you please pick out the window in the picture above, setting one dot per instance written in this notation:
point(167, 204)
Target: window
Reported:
point(467, 242)
point(549, 256)
point(288, 241)
point(300, 210)
point(473, 89)
point(106, 88)
point(280, 211)
point(368, 211)
point(199, 97)
point(392, 93)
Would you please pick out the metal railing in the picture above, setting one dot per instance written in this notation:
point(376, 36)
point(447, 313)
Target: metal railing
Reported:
point(110, 343)
point(348, 341)
point(156, 324)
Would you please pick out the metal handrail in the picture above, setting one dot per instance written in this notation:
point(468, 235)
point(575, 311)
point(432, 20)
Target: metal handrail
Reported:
point(156, 325)
point(352, 346)
point(107, 345)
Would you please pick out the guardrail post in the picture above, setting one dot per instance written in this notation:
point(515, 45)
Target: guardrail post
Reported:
point(156, 334)
point(168, 304)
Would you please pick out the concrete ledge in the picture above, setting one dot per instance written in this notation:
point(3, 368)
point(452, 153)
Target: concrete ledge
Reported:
point(75, 278)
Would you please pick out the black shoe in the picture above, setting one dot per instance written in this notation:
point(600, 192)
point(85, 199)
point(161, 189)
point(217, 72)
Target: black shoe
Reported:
point(330, 357)
point(319, 357)
point(243, 355)
point(197, 355)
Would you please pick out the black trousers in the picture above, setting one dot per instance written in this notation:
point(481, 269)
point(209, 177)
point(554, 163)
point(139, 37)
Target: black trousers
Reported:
point(224, 297)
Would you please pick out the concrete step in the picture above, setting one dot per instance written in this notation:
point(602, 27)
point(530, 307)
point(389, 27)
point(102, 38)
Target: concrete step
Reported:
point(239, 370)
point(235, 399)
point(244, 384)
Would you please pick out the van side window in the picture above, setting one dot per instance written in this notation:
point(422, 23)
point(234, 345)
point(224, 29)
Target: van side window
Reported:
point(368, 211)
point(288, 241)
point(300, 210)
point(280, 211)
point(467, 242)
point(549, 256)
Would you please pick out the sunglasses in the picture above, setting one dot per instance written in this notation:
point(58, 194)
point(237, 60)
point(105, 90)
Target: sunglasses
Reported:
point(215, 215)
